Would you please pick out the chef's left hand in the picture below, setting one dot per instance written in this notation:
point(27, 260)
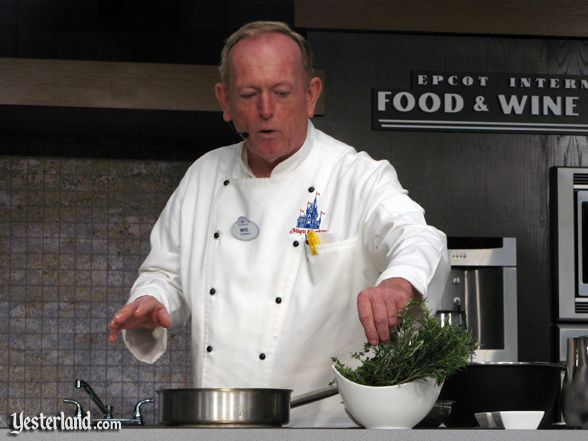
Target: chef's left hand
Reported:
point(379, 307)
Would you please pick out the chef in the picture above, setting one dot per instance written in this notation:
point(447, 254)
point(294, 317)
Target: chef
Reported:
point(285, 249)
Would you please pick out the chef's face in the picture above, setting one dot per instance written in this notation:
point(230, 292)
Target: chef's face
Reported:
point(268, 96)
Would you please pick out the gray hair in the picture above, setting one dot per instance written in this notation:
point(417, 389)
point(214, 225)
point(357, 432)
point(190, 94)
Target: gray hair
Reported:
point(255, 28)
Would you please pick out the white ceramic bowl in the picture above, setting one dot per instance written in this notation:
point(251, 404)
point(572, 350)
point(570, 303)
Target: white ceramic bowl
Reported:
point(519, 419)
point(388, 407)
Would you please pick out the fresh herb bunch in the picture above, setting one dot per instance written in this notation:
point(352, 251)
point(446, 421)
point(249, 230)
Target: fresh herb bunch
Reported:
point(421, 347)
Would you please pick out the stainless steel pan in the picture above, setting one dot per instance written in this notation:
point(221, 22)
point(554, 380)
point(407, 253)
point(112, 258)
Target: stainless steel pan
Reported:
point(231, 406)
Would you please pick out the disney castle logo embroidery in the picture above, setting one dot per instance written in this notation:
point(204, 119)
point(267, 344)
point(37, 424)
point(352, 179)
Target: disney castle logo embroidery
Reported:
point(309, 219)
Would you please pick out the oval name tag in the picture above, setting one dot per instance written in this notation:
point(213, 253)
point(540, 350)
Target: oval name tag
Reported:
point(244, 229)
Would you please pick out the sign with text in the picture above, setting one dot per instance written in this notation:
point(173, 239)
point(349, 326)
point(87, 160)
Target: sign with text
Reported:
point(484, 102)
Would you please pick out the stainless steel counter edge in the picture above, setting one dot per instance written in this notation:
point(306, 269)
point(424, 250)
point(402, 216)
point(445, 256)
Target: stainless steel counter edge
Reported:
point(285, 434)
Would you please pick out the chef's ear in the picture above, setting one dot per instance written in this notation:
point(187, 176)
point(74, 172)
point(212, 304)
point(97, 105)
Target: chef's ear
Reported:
point(223, 100)
point(313, 92)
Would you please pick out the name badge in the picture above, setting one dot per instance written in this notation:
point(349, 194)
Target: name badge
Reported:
point(244, 229)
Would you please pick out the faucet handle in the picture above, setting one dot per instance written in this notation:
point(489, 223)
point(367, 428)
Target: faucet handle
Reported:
point(138, 414)
point(79, 410)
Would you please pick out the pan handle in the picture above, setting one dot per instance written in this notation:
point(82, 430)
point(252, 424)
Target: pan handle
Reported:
point(311, 397)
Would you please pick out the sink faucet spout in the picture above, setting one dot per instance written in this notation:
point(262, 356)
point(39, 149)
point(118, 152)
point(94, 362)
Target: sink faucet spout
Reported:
point(106, 410)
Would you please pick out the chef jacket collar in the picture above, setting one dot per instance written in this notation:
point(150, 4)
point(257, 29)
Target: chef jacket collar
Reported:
point(288, 164)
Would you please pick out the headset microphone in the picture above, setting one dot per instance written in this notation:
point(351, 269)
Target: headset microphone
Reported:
point(242, 135)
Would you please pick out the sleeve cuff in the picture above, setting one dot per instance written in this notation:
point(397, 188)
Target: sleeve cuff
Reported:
point(432, 291)
point(147, 345)
point(406, 272)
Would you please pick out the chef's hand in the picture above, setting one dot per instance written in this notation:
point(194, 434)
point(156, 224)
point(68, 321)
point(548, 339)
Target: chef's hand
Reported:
point(379, 307)
point(143, 312)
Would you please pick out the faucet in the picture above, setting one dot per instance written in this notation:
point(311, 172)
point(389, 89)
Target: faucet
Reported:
point(106, 410)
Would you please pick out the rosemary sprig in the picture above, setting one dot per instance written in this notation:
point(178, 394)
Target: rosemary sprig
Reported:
point(420, 348)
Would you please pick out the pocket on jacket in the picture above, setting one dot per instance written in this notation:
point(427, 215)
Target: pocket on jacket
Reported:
point(336, 265)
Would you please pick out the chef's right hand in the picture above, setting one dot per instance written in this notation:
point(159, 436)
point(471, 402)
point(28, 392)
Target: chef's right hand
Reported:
point(143, 312)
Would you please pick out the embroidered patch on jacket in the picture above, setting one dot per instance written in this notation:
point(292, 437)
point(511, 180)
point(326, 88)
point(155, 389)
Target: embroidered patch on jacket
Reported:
point(309, 219)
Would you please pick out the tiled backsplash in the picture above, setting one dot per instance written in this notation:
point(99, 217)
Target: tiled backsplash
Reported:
point(72, 234)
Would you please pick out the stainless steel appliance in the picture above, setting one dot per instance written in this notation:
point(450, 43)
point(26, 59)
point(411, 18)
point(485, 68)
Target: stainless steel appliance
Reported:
point(569, 257)
point(483, 286)
point(569, 220)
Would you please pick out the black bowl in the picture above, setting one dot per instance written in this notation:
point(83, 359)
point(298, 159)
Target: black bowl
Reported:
point(494, 386)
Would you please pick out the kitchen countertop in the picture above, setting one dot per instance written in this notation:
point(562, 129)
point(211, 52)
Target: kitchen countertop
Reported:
point(287, 434)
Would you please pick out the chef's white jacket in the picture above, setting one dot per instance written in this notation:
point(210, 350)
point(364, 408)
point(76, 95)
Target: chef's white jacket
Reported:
point(266, 312)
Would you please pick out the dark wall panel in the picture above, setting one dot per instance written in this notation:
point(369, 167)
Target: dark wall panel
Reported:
point(495, 17)
point(175, 31)
point(178, 31)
